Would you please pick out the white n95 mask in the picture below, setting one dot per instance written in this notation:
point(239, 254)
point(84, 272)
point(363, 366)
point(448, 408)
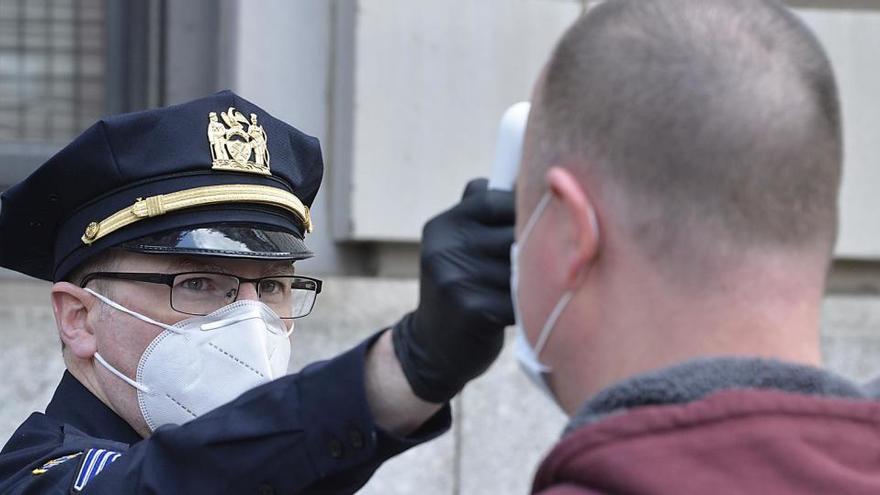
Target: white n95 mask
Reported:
point(201, 363)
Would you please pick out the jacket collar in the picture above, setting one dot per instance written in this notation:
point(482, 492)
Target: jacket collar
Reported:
point(693, 380)
point(73, 404)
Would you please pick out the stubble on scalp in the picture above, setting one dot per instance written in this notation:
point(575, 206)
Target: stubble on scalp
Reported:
point(706, 122)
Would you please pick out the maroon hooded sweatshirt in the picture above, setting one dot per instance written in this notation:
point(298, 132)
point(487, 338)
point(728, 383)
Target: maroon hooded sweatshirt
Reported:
point(731, 441)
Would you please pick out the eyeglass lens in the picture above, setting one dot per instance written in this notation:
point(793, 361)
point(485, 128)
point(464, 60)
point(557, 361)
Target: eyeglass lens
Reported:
point(203, 293)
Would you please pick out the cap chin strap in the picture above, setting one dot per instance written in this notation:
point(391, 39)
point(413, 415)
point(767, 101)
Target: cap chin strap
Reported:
point(141, 387)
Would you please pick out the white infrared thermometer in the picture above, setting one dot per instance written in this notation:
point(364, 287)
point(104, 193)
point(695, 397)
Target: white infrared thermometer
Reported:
point(508, 148)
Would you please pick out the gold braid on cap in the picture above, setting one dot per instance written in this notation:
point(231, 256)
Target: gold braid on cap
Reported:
point(161, 204)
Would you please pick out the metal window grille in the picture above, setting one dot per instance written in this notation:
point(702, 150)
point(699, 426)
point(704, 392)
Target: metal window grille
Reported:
point(52, 68)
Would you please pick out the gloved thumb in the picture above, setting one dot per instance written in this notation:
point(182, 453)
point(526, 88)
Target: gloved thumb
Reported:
point(475, 186)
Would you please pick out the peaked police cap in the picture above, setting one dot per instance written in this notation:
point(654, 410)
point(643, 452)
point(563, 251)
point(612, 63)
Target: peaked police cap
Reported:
point(217, 176)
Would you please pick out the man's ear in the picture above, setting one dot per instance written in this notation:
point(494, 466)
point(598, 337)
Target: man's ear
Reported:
point(582, 223)
point(71, 305)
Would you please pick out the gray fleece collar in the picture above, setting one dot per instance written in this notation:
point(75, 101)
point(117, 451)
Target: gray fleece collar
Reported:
point(696, 379)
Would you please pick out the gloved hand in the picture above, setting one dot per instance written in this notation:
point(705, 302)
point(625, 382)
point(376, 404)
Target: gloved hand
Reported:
point(464, 305)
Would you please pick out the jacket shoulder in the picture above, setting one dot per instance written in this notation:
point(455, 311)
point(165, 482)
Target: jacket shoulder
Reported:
point(767, 435)
point(44, 456)
point(38, 433)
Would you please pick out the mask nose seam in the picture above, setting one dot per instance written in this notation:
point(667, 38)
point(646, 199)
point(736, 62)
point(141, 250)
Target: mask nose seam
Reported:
point(239, 361)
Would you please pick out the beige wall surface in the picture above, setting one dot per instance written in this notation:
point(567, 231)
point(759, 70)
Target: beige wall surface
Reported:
point(852, 39)
point(430, 80)
point(406, 96)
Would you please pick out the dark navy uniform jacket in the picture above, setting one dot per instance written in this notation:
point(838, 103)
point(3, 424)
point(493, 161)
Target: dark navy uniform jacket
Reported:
point(306, 433)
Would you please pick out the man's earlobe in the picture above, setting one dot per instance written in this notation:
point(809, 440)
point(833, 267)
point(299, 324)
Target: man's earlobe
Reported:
point(69, 303)
point(584, 232)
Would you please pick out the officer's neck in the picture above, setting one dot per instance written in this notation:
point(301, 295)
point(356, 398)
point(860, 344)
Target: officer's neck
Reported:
point(86, 371)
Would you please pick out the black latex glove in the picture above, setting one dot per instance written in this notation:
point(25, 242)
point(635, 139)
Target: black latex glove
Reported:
point(464, 304)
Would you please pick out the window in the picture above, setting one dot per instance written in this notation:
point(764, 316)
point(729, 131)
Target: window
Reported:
point(52, 66)
point(64, 64)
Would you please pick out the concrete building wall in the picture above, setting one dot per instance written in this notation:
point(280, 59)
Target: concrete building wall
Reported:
point(430, 81)
point(405, 97)
point(426, 82)
point(847, 36)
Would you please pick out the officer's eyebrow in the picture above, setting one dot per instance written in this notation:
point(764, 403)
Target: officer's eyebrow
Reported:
point(280, 268)
point(195, 264)
point(186, 263)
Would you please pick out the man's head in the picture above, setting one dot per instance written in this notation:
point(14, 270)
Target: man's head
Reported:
point(705, 137)
point(118, 216)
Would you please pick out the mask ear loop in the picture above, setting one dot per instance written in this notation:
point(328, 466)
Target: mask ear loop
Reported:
point(139, 386)
point(129, 312)
point(551, 322)
point(536, 215)
point(566, 298)
point(113, 304)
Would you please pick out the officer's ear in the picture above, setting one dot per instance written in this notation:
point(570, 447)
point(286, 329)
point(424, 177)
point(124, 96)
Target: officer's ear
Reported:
point(71, 305)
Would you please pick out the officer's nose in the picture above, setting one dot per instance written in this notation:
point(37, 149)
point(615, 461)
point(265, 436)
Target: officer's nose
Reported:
point(247, 290)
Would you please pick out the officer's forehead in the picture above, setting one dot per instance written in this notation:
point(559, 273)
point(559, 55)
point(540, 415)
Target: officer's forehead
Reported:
point(129, 261)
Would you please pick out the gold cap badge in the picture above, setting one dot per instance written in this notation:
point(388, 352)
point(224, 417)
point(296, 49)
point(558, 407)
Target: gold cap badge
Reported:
point(235, 147)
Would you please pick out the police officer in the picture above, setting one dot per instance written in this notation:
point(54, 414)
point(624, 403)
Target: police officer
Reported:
point(171, 237)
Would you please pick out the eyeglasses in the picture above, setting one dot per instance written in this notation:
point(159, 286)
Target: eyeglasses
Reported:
point(201, 293)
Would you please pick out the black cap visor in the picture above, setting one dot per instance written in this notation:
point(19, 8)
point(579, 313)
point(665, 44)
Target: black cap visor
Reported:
point(234, 231)
point(223, 240)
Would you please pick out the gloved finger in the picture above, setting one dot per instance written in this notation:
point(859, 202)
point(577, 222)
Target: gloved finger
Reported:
point(496, 307)
point(491, 241)
point(486, 299)
point(494, 275)
point(490, 207)
point(502, 313)
point(475, 186)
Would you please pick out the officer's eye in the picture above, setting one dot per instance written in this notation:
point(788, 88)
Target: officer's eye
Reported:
point(271, 287)
point(197, 284)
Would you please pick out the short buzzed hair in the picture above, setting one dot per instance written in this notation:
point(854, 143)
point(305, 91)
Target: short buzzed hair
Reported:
point(713, 119)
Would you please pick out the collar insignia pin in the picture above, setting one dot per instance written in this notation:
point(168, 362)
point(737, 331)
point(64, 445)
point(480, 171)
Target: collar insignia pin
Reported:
point(54, 462)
